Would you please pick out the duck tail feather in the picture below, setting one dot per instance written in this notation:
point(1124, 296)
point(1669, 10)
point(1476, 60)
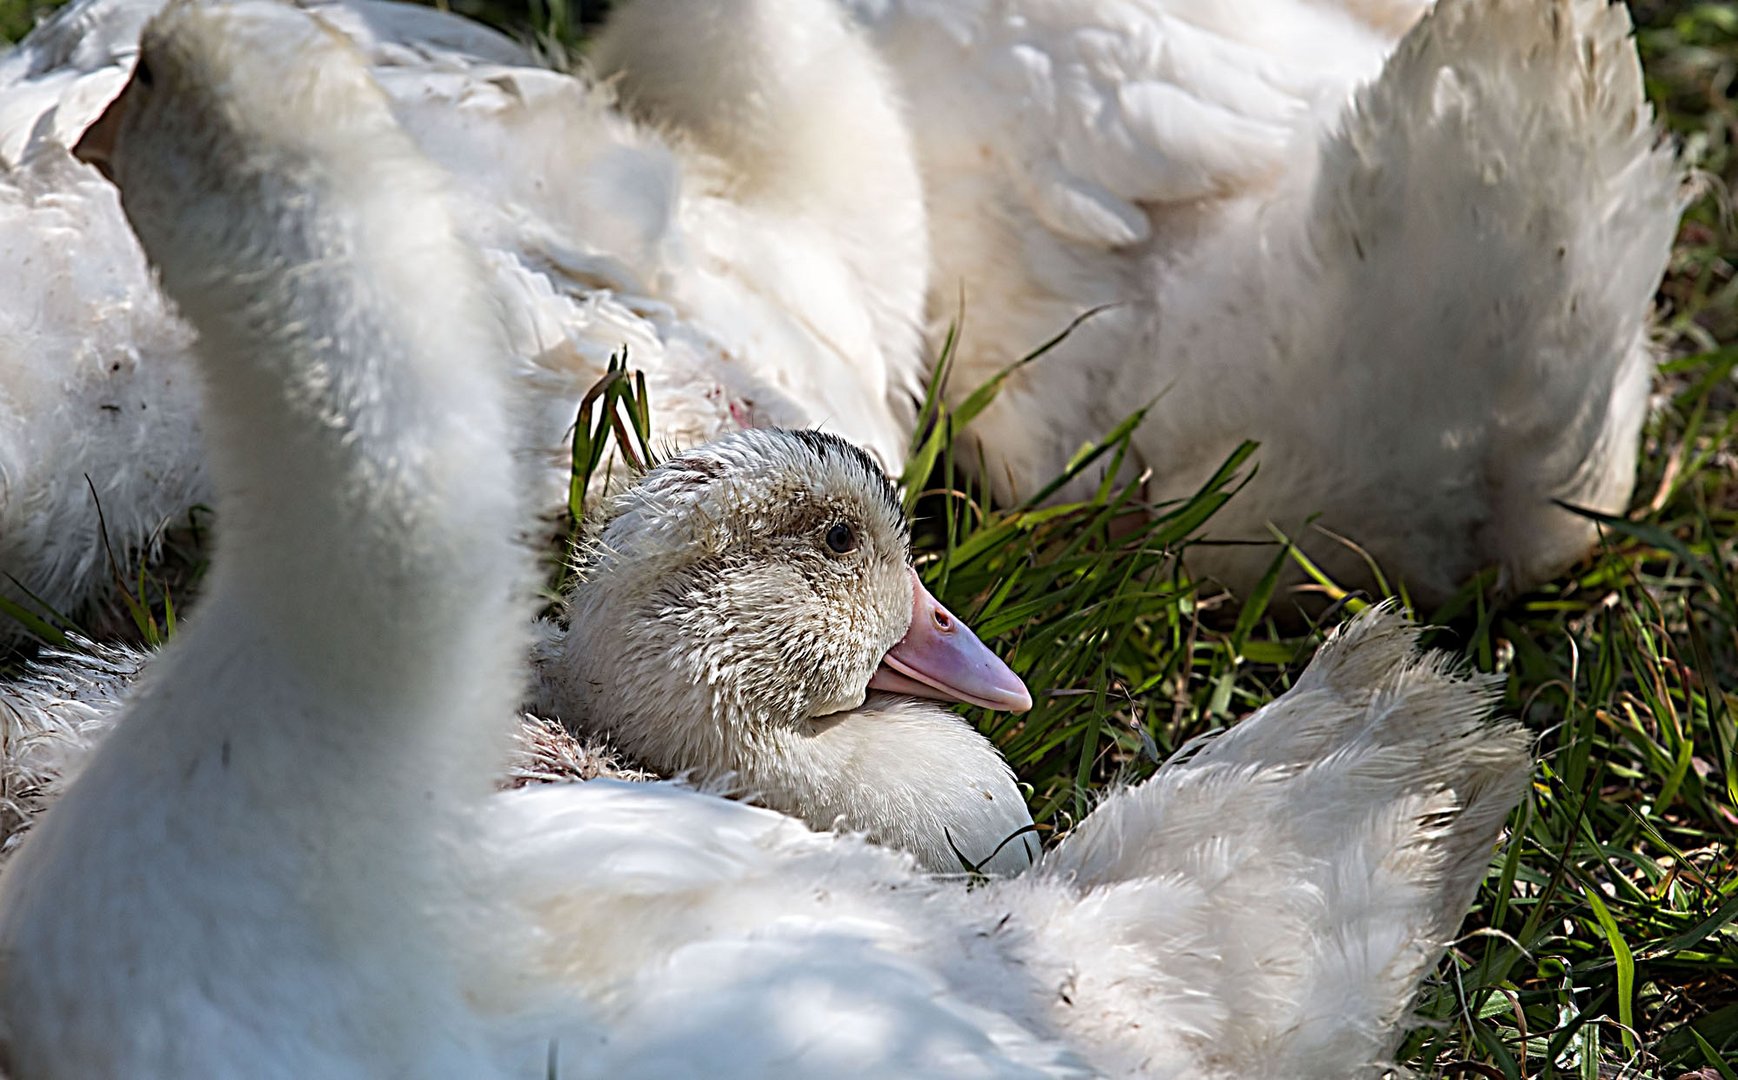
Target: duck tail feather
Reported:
point(1500, 205)
point(1302, 873)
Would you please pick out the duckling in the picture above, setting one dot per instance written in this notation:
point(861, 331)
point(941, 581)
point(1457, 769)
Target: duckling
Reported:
point(1410, 247)
point(289, 858)
point(742, 600)
point(748, 294)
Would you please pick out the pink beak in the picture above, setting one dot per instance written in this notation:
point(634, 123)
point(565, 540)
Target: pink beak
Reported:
point(939, 657)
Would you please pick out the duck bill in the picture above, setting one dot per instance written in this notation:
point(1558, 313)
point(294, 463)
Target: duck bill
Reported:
point(939, 657)
point(96, 147)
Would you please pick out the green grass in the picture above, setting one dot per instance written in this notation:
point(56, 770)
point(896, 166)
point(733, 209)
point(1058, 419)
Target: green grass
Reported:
point(18, 16)
point(1602, 943)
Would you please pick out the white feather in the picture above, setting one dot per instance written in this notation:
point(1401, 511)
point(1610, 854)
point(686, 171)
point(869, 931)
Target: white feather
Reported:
point(239, 885)
point(745, 303)
point(1410, 249)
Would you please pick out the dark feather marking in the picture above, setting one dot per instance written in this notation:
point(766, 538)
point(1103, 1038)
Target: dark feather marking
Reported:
point(826, 445)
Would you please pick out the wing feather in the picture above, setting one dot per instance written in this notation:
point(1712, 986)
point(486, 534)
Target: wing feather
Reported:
point(1099, 110)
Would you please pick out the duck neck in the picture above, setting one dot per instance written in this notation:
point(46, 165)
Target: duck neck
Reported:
point(281, 818)
point(366, 498)
point(895, 753)
point(789, 96)
point(362, 629)
point(906, 773)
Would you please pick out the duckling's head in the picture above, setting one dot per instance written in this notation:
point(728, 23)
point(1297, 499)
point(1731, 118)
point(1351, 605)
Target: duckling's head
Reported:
point(754, 587)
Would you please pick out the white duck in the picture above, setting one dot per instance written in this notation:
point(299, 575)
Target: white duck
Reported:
point(760, 268)
point(1409, 247)
point(288, 860)
point(742, 602)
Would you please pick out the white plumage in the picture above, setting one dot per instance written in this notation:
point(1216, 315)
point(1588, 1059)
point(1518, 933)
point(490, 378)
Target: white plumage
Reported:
point(1411, 248)
point(97, 417)
point(51, 716)
point(749, 294)
point(287, 860)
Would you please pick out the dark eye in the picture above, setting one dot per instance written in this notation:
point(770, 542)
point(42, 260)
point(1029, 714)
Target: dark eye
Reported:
point(142, 73)
point(842, 538)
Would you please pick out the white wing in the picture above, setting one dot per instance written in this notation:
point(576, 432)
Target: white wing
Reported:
point(712, 938)
point(1264, 908)
point(1093, 109)
point(55, 82)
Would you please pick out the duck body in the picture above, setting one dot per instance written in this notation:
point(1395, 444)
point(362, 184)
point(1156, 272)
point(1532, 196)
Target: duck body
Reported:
point(288, 859)
point(745, 302)
point(98, 418)
point(1410, 248)
point(1317, 226)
